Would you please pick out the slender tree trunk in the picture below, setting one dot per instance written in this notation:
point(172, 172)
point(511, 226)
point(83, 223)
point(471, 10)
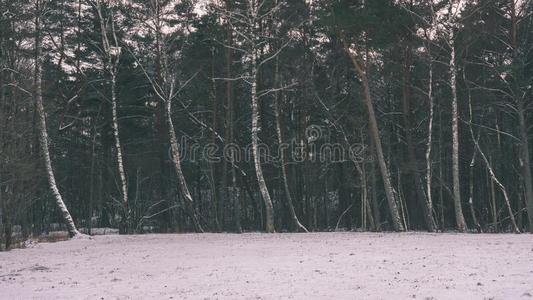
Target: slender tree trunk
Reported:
point(404, 213)
point(374, 134)
point(8, 231)
point(112, 58)
point(91, 180)
point(120, 163)
point(366, 211)
point(256, 127)
point(459, 217)
point(374, 197)
point(488, 166)
point(3, 144)
point(219, 186)
point(233, 193)
point(441, 175)
point(176, 159)
point(2, 240)
point(471, 198)
point(492, 203)
point(160, 133)
point(283, 162)
point(429, 147)
point(427, 209)
point(502, 188)
point(225, 191)
point(236, 198)
point(526, 164)
point(522, 125)
point(43, 134)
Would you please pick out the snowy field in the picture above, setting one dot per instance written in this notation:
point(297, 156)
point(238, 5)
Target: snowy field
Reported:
point(272, 266)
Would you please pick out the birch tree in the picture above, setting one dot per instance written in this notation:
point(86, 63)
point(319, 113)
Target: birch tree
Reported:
point(129, 79)
point(247, 23)
point(283, 160)
point(166, 87)
point(111, 52)
point(431, 103)
point(490, 169)
point(450, 28)
point(460, 220)
point(41, 115)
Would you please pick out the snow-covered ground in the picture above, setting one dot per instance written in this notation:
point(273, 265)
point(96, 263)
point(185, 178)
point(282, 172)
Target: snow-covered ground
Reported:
point(272, 266)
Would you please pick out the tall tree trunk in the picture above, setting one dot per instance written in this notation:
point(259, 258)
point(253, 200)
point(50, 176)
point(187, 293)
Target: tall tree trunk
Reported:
point(374, 197)
point(429, 147)
point(283, 162)
point(112, 59)
point(233, 193)
point(8, 231)
point(374, 134)
point(218, 186)
point(427, 210)
point(459, 217)
point(526, 163)
point(120, 163)
point(256, 127)
point(493, 177)
point(160, 133)
point(3, 144)
point(43, 134)
point(366, 211)
point(176, 159)
point(2, 240)
point(522, 126)
point(471, 197)
point(90, 205)
point(502, 188)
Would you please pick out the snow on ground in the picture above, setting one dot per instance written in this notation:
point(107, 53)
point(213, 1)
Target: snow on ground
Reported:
point(271, 266)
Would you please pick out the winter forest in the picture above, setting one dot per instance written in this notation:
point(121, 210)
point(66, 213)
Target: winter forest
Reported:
point(344, 122)
point(180, 116)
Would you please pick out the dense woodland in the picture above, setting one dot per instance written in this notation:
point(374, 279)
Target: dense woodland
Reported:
point(272, 115)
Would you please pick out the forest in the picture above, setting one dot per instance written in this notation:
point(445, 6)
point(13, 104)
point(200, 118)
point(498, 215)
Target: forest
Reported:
point(171, 116)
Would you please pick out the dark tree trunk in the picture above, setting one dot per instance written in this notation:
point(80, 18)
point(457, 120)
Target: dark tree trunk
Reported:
point(412, 161)
point(374, 134)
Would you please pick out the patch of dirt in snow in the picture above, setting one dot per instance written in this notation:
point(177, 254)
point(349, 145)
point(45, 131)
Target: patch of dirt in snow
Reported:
point(266, 266)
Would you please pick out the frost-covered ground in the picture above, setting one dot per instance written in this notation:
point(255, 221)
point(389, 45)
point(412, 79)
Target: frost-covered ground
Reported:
point(271, 266)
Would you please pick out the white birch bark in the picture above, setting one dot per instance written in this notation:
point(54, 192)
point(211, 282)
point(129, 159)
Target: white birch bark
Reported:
point(498, 183)
point(492, 175)
point(283, 163)
point(112, 59)
point(176, 159)
point(43, 134)
point(429, 146)
point(118, 147)
point(269, 208)
point(163, 85)
point(459, 217)
point(253, 21)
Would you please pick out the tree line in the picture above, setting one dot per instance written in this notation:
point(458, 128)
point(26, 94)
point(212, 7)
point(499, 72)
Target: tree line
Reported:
point(97, 97)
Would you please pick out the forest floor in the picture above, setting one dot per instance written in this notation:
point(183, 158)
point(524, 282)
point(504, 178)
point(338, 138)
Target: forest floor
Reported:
point(271, 266)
